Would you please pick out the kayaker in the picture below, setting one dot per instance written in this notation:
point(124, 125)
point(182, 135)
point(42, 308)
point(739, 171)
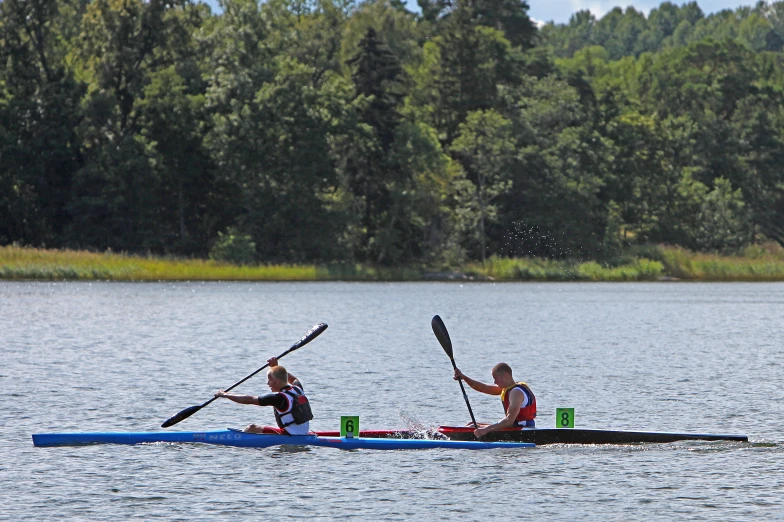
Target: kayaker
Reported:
point(291, 407)
point(518, 399)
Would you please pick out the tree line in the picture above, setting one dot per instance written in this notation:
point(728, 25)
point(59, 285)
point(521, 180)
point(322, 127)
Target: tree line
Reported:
point(329, 130)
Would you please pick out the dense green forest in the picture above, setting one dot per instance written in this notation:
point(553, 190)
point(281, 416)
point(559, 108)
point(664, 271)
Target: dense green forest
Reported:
point(329, 130)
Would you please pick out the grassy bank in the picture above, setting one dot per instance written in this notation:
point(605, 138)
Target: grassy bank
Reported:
point(55, 265)
point(757, 264)
point(505, 269)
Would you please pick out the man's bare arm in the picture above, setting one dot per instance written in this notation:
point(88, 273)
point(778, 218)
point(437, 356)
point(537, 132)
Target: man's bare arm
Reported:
point(489, 389)
point(241, 399)
point(515, 403)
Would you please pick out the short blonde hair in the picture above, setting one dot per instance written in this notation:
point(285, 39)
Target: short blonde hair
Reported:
point(279, 373)
point(502, 368)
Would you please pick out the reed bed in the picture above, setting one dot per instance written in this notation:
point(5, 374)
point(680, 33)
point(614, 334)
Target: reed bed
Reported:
point(532, 269)
point(56, 265)
point(39, 264)
point(757, 264)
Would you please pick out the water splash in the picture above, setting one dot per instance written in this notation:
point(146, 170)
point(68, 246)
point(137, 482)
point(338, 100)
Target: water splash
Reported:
point(417, 428)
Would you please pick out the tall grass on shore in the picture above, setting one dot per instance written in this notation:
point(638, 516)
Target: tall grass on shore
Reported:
point(525, 269)
point(758, 263)
point(38, 264)
point(763, 262)
point(57, 265)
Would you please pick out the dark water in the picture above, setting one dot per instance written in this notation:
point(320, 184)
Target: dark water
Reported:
point(660, 357)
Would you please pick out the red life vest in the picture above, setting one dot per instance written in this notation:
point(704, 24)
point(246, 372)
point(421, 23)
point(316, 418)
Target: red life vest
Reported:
point(528, 412)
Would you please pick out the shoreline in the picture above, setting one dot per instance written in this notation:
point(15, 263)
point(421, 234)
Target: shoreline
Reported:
point(675, 265)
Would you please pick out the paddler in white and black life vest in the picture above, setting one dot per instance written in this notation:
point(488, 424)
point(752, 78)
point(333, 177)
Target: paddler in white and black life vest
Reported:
point(518, 399)
point(291, 407)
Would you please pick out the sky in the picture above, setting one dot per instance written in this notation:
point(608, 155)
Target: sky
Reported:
point(559, 11)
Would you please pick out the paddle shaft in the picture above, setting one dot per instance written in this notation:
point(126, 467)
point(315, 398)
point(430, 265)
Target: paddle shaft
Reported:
point(462, 388)
point(246, 378)
point(439, 329)
point(187, 412)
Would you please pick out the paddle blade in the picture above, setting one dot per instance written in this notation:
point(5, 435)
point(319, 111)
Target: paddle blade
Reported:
point(442, 335)
point(312, 334)
point(184, 414)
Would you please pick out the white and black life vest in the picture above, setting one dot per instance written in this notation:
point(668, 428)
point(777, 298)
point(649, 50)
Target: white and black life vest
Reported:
point(295, 418)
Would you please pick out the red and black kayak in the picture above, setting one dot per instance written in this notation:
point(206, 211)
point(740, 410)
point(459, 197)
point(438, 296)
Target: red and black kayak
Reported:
point(544, 436)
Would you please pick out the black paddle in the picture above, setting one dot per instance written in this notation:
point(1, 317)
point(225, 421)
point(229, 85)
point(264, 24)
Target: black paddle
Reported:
point(443, 337)
point(187, 412)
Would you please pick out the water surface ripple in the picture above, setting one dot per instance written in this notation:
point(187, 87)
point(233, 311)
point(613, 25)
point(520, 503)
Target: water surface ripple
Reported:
point(659, 357)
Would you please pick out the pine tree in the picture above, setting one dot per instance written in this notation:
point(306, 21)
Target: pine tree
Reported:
point(377, 76)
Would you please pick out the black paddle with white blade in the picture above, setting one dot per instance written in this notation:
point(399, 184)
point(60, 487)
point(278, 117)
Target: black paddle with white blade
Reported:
point(443, 337)
point(187, 412)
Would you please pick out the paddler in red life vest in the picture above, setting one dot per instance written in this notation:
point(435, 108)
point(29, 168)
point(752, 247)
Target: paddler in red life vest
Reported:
point(519, 401)
point(292, 409)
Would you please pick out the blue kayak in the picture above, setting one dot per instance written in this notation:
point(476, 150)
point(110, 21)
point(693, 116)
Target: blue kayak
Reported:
point(237, 438)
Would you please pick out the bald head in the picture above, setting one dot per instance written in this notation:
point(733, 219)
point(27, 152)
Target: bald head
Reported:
point(502, 375)
point(502, 368)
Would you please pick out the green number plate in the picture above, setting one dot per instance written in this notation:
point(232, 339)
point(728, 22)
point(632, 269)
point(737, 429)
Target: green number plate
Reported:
point(349, 426)
point(564, 417)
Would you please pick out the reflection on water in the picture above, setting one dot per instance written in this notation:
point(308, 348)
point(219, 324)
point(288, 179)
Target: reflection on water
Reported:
point(282, 451)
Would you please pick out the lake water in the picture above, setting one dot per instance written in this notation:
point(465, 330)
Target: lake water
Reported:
point(658, 357)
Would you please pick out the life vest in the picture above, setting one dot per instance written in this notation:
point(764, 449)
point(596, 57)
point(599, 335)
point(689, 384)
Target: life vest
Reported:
point(297, 413)
point(528, 412)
